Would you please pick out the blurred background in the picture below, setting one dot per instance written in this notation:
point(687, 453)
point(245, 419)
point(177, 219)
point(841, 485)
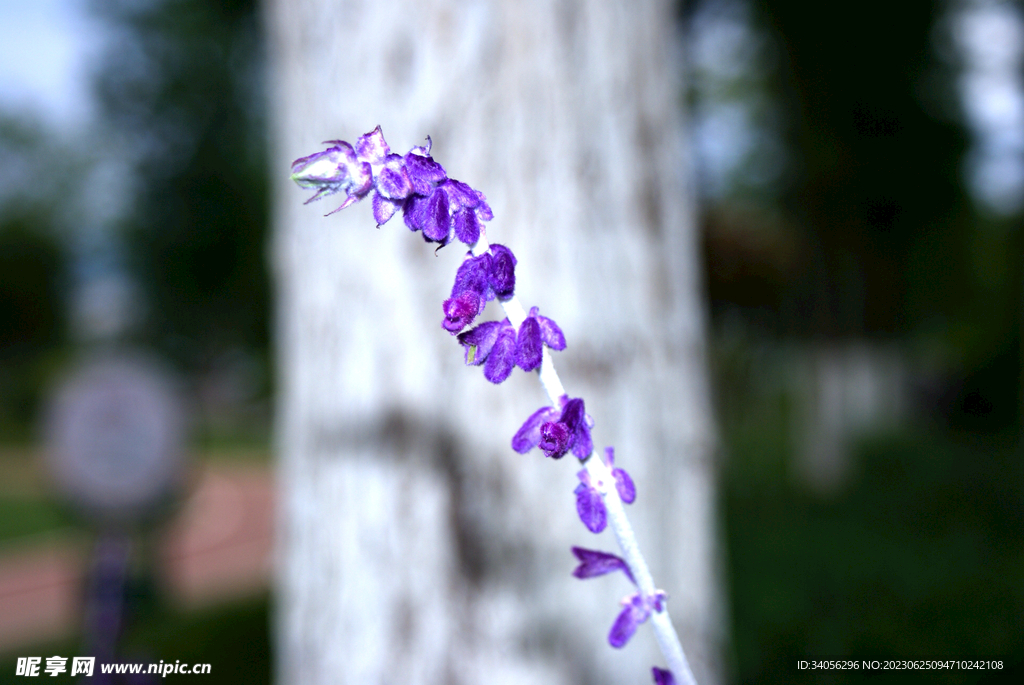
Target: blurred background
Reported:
point(860, 175)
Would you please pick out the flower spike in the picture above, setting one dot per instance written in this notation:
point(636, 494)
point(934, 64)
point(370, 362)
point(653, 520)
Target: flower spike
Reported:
point(443, 209)
point(431, 202)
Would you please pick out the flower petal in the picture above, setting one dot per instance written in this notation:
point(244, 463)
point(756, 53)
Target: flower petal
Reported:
point(528, 435)
point(483, 210)
point(371, 146)
point(632, 615)
point(662, 676)
point(362, 179)
point(461, 195)
point(436, 224)
point(459, 311)
point(550, 333)
point(333, 164)
point(582, 446)
point(503, 271)
point(413, 210)
point(467, 226)
point(501, 360)
point(424, 172)
point(528, 345)
point(594, 563)
point(624, 484)
point(474, 274)
point(575, 417)
point(480, 341)
point(590, 507)
point(383, 209)
point(554, 439)
point(573, 413)
point(393, 180)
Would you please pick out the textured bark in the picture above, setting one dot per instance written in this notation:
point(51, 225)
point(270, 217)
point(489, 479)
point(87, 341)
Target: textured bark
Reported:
point(415, 546)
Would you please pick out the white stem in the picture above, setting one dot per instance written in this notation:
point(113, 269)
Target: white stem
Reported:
point(602, 477)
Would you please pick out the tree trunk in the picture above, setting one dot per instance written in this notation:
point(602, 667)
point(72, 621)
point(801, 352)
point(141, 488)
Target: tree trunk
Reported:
point(415, 546)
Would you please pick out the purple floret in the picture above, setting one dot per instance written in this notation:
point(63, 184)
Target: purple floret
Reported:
point(623, 481)
point(594, 563)
point(556, 438)
point(528, 436)
point(529, 348)
point(590, 504)
point(662, 676)
point(501, 360)
point(470, 293)
point(459, 311)
point(503, 272)
point(632, 615)
point(492, 344)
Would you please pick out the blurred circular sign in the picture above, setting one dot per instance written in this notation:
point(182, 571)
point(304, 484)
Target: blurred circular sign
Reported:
point(114, 437)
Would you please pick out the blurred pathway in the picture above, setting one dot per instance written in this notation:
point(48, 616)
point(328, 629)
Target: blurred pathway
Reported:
point(217, 548)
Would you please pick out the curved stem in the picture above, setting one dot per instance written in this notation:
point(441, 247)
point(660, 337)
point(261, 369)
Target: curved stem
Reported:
point(600, 474)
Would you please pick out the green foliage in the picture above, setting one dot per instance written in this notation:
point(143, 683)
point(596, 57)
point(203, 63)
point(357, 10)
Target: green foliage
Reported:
point(921, 556)
point(27, 516)
point(233, 639)
point(873, 233)
point(33, 269)
point(183, 86)
point(873, 236)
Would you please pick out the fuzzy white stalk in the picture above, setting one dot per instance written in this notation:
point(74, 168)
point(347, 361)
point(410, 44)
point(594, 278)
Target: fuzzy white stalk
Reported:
point(601, 477)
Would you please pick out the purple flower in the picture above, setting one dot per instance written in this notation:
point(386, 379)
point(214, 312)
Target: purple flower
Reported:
point(492, 344)
point(576, 420)
point(662, 676)
point(371, 147)
point(556, 438)
point(636, 610)
point(534, 332)
point(468, 208)
point(528, 435)
point(634, 613)
point(469, 294)
point(529, 349)
point(383, 209)
point(424, 172)
point(452, 207)
point(475, 274)
point(594, 563)
point(590, 504)
point(478, 280)
point(623, 483)
point(393, 187)
point(503, 272)
point(393, 181)
point(335, 170)
point(460, 310)
point(429, 213)
point(431, 202)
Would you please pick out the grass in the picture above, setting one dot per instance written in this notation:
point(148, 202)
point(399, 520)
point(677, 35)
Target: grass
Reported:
point(233, 639)
point(919, 555)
